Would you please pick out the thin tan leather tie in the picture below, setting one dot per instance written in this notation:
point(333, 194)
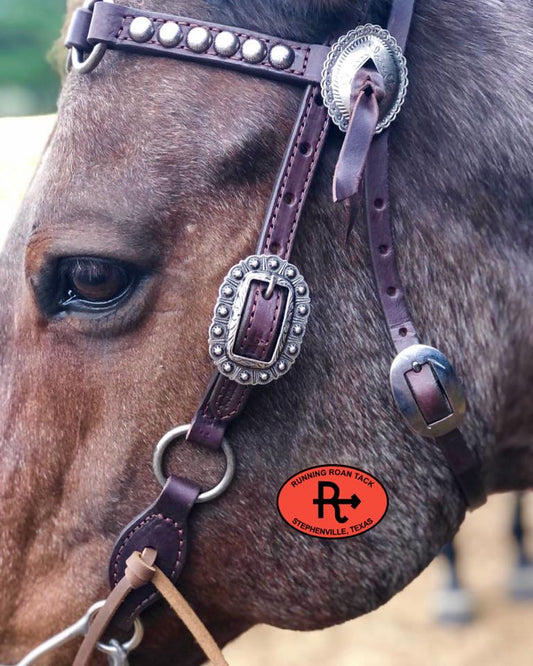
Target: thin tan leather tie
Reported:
point(367, 91)
point(140, 570)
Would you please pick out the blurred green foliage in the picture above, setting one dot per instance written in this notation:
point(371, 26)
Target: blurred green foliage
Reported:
point(29, 84)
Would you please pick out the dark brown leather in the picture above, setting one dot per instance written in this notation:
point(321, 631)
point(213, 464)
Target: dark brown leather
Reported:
point(224, 399)
point(110, 23)
point(162, 526)
point(79, 29)
point(367, 91)
point(388, 282)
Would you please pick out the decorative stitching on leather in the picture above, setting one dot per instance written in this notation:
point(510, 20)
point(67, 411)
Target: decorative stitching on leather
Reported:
point(305, 187)
point(274, 322)
point(252, 317)
point(306, 50)
point(129, 536)
point(286, 177)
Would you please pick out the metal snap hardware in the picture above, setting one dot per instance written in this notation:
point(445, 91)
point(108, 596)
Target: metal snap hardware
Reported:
point(350, 53)
point(178, 433)
point(275, 273)
point(433, 404)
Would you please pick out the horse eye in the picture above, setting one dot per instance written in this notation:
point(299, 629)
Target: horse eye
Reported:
point(93, 282)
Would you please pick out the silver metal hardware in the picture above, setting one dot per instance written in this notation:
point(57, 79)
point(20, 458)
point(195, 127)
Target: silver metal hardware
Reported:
point(350, 53)
point(178, 433)
point(229, 311)
point(79, 629)
point(141, 29)
point(199, 39)
point(410, 359)
point(254, 50)
point(226, 44)
point(281, 56)
point(170, 34)
point(75, 59)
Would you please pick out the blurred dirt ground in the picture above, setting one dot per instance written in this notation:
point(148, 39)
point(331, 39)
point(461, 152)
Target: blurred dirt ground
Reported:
point(404, 631)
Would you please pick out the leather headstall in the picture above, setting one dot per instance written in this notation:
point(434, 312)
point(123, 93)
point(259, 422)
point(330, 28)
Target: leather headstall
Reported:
point(358, 83)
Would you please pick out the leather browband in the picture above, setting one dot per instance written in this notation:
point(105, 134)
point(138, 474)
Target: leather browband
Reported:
point(109, 24)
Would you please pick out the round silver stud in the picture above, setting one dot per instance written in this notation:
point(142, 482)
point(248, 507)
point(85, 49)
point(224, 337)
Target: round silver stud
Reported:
point(227, 367)
point(302, 310)
point(226, 44)
point(254, 263)
point(254, 50)
point(141, 29)
point(170, 34)
point(237, 273)
point(227, 291)
point(199, 39)
point(218, 350)
point(244, 376)
point(263, 376)
point(281, 56)
point(301, 290)
point(292, 349)
point(290, 272)
point(282, 366)
point(223, 311)
point(273, 263)
point(297, 330)
point(217, 331)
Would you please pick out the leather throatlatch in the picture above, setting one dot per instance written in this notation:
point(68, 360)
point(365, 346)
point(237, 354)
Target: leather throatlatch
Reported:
point(367, 90)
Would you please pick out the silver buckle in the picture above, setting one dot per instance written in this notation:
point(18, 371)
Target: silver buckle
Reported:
point(447, 386)
point(229, 310)
point(347, 56)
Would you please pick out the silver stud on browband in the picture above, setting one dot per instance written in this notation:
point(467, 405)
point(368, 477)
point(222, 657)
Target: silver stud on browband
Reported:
point(141, 29)
point(281, 56)
point(254, 50)
point(226, 44)
point(170, 34)
point(199, 39)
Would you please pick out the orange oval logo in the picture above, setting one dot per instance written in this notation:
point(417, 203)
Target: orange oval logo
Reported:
point(332, 501)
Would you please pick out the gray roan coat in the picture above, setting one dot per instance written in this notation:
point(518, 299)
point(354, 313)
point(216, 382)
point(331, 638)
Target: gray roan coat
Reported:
point(168, 166)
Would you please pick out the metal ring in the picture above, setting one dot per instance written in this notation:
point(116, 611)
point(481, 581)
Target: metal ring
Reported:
point(181, 431)
point(129, 645)
point(81, 66)
point(75, 59)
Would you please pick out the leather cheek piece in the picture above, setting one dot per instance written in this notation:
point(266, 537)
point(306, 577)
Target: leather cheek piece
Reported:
point(163, 526)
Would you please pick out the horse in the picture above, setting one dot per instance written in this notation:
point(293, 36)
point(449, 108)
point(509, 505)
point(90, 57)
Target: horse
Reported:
point(153, 183)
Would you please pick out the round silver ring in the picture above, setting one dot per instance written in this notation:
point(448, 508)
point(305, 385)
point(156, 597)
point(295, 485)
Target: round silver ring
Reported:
point(129, 645)
point(180, 432)
point(81, 66)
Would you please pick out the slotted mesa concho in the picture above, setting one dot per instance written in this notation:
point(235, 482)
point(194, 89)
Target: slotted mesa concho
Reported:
point(350, 53)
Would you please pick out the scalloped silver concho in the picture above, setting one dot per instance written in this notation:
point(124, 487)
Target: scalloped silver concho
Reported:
point(229, 308)
point(350, 53)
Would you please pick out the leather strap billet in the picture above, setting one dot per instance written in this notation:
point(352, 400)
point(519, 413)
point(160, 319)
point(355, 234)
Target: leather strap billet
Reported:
point(163, 525)
point(466, 468)
point(225, 399)
point(108, 23)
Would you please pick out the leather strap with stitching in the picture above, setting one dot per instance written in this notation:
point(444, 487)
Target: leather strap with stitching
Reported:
point(108, 24)
point(225, 399)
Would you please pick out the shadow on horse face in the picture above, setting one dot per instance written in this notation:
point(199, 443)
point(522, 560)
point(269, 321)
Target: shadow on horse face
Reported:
point(154, 182)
